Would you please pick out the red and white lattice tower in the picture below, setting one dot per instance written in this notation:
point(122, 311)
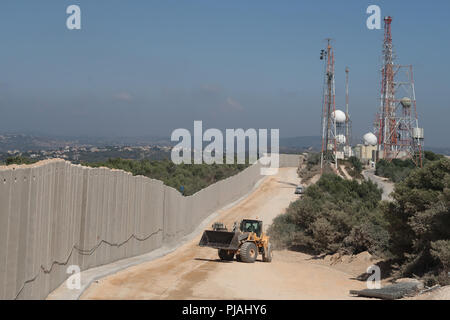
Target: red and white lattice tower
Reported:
point(329, 143)
point(396, 124)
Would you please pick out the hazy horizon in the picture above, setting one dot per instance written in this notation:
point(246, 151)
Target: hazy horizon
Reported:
point(145, 68)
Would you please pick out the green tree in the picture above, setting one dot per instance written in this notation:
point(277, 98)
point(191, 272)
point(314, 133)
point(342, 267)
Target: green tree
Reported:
point(334, 215)
point(19, 160)
point(193, 177)
point(357, 165)
point(419, 219)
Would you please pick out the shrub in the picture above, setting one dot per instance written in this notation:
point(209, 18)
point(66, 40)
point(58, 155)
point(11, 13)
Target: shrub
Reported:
point(431, 156)
point(193, 177)
point(419, 219)
point(313, 159)
point(396, 170)
point(357, 165)
point(440, 250)
point(334, 215)
point(19, 160)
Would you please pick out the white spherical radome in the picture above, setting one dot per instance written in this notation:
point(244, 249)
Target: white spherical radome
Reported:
point(340, 139)
point(339, 116)
point(370, 139)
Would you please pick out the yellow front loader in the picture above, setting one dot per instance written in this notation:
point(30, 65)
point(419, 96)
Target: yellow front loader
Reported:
point(245, 241)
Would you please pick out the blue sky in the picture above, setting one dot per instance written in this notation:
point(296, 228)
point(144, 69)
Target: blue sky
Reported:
point(144, 67)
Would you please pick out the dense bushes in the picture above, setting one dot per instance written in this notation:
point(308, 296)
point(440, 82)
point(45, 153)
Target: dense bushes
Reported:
point(397, 170)
point(353, 167)
point(312, 160)
point(19, 160)
point(419, 220)
point(412, 232)
point(193, 177)
point(357, 165)
point(334, 215)
point(431, 156)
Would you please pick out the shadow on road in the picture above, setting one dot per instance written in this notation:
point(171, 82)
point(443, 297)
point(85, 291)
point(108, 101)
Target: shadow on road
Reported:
point(222, 261)
point(316, 257)
point(287, 183)
point(213, 260)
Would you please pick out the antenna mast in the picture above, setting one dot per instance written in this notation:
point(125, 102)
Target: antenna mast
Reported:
point(348, 134)
point(329, 145)
point(397, 129)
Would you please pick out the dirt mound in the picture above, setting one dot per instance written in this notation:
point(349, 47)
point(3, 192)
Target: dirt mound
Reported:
point(355, 265)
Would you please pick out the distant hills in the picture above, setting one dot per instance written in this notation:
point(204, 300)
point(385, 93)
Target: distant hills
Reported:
point(25, 142)
point(30, 142)
point(304, 143)
point(440, 150)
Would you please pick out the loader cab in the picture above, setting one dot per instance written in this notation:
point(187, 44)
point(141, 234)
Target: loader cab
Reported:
point(255, 226)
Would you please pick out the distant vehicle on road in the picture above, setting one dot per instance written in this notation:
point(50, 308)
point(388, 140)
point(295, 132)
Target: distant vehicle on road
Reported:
point(299, 189)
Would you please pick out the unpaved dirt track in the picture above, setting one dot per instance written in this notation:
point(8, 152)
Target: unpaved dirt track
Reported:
point(192, 272)
point(385, 185)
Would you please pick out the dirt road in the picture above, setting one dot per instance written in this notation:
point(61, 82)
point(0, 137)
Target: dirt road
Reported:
point(385, 185)
point(192, 272)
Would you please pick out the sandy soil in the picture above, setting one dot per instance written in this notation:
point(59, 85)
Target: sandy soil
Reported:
point(347, 176)
point(439, 294)
point(192, 272)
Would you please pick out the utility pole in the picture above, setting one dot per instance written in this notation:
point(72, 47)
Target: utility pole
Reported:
point(347, 120)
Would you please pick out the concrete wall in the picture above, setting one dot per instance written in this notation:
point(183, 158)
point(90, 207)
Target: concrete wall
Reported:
point(54, 214)
point(290, 160)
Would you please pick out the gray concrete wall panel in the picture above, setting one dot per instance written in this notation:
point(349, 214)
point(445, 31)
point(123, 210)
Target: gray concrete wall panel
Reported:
point(54, 214)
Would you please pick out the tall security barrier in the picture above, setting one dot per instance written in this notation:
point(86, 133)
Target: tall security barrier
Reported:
point(290, 160)
point(54, 214)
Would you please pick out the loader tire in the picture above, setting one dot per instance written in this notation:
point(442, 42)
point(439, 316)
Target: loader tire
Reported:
point(267, 256)
point(249, 252)
point(226, 255)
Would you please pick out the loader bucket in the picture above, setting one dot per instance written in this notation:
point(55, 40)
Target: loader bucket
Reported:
point(220, 240)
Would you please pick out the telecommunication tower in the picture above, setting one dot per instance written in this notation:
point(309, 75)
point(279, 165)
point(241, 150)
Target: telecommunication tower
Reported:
point(348, 124)
point(396, 124)
point(329, 143)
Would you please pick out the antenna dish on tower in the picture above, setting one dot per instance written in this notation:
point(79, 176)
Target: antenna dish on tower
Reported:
point(406, 102)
